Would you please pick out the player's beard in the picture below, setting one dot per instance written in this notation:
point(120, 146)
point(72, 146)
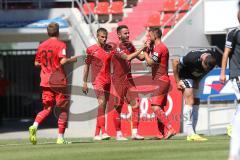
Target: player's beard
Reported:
point(124, 39)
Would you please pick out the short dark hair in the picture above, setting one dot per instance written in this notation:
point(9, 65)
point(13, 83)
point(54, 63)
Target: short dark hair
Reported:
point(119, 28)
point(103, 30)
point(210, 61)
point(53, 29)
point(239, 5)
point(156, 30)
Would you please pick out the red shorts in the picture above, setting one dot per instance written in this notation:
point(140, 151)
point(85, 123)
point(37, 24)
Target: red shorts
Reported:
point(121, 93)
point(54, 96)
point(159, 96)
point(102, 90)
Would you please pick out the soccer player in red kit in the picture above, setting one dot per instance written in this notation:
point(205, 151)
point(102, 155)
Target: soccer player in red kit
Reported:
point(157, 57)
point(50, 57)
point(122, 81)
point(99, 58)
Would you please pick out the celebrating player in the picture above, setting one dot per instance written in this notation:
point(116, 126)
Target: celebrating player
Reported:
point(99, 58)
point(157, 56)
point(122, 81)
point(50, 57)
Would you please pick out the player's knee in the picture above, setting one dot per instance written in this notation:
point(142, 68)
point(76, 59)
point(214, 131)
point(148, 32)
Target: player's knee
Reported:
point(189, 100)
point(134, 103)
point(101, 102)
point(155, 108)
point(63, 104)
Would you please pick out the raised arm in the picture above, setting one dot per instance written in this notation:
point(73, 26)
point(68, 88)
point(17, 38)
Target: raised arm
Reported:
point(141, 56)
point(132, 55)
point(68, 60)
point(148, 59)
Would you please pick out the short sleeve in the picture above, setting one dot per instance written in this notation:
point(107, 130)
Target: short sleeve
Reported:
point(229, 39)
point(189, 59)
point(38, 56)
point(62, 52)
point(88, 58)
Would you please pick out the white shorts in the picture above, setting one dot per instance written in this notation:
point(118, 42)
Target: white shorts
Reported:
point(190, 83)
point(236, 88)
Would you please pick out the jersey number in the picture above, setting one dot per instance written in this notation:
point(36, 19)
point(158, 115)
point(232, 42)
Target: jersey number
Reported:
point(48, 57)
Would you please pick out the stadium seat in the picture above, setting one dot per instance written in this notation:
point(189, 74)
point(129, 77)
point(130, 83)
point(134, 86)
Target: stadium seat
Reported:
point(116, 10)
point(179, 16)
point(102, 8)
point(184, 5)
point(116, 7)
point(88, 7)
point(193, 2)
point(102, 11)
point(166, 20)
point(154, 20)
point(169, 6)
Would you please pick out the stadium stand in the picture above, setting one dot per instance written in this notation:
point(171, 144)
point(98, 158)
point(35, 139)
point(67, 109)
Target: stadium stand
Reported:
point(88, 7)
point(116, 9)
point(163, 13)
point(168, 20)
point(154, 20)
point(184, 5)
point(169, 6)
point(102, 11)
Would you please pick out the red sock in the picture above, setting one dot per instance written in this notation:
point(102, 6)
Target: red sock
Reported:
point(135, 117)
point(62, 122)
point(117, 118)
point(42, 116)
point(100, 121)
point(162, 117)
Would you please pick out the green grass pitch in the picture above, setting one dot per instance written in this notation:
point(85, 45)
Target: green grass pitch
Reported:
point(216, 148)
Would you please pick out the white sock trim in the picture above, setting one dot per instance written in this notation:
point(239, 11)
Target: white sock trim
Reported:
point(187, 117)
point(35, 124)
point(134, 131)
point(60, 135)
point(119, 133)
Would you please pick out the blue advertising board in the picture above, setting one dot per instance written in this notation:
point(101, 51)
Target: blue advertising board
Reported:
point(211, 86)
point(35, 24)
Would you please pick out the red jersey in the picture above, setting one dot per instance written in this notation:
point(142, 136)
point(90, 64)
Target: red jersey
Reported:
point(49, 54)
point(160, 56)
point(122, 68)
point(100, 61)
